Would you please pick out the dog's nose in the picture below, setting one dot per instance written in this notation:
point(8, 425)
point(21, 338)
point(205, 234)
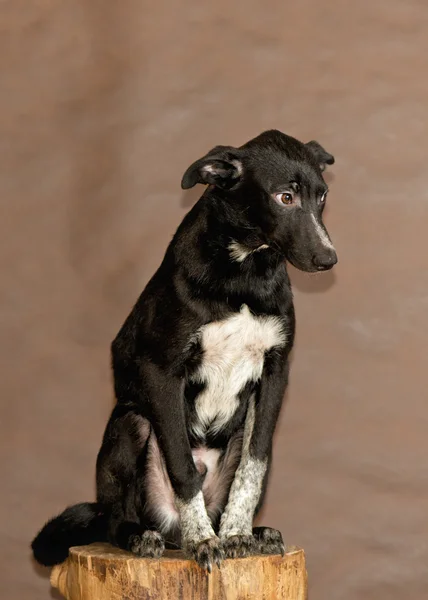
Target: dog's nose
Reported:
point(325, 260)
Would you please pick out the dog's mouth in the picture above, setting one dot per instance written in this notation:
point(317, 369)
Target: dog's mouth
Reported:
point(302, 265)
point(313, 264)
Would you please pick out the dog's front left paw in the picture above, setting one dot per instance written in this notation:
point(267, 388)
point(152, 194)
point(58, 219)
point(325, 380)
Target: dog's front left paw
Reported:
point(239, 546)
point(149, 544)
point(269, 541)
point(207, 553)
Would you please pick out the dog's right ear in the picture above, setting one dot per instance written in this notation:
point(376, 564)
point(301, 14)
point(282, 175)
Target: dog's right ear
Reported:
point(221, 167)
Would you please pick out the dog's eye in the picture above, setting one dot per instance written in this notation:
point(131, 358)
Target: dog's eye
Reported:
point(285, 197)
point(323, 198)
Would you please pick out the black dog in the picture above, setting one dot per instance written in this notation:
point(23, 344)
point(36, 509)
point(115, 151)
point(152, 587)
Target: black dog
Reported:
point(201, 364)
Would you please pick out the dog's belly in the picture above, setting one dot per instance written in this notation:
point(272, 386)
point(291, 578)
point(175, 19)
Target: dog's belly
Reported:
point(233, 356)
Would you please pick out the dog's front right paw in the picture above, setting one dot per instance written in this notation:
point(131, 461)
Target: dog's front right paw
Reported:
point(207, 553)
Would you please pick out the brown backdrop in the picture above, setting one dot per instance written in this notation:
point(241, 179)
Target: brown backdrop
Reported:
point(103, 106)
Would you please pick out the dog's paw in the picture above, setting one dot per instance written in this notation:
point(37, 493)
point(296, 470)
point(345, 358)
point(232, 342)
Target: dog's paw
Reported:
point(207, 553)
point(269, 541)
point(239, 546)
point(149, 544)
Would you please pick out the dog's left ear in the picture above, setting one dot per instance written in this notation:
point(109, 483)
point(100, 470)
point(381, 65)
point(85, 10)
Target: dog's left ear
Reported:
point(221, 167)
point(322, 157)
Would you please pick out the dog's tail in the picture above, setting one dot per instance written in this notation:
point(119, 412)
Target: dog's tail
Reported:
point(78, 525)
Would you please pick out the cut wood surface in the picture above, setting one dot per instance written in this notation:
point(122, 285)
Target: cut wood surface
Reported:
point(102, 572)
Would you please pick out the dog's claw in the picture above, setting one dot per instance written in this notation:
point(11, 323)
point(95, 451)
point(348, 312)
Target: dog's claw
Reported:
point(207, 553)
point(240, 546)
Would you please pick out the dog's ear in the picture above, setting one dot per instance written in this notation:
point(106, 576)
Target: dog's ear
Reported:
point(221, 167)
point(322, 157)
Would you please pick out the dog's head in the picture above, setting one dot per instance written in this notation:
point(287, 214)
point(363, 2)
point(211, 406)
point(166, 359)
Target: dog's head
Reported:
point(277, 183)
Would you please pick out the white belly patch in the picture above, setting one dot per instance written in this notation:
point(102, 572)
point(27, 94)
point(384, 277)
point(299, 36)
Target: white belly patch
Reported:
point(233, 355)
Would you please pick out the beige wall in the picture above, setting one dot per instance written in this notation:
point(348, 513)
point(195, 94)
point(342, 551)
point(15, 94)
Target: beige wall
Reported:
point(103, 105)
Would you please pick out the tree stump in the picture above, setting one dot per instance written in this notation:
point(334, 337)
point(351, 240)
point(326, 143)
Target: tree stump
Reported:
point(102, 572)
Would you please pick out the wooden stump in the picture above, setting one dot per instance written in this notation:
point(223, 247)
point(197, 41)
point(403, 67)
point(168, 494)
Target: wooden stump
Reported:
point(102, 572)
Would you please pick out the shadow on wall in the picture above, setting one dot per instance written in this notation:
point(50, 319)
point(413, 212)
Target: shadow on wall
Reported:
point(311, 283)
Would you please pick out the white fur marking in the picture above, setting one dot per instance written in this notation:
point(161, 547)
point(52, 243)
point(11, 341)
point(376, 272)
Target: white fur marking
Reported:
point(195, 523)
point(237, 518)
point(325, 240)
point(238, 166)
point(209, 169)
point(239, 252)
point(234, 352)
point(236, 163)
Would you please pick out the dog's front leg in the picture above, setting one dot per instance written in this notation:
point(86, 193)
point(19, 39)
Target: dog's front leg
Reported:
point(166, 397)
point(236, 526)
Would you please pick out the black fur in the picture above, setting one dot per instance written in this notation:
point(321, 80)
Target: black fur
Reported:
point(76, 526)
point(156, 352)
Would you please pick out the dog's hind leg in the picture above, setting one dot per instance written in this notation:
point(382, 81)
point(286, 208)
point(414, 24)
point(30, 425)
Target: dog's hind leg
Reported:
point(120, 468)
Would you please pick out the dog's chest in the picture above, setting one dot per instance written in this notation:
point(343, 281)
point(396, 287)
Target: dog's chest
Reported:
point(233, 353)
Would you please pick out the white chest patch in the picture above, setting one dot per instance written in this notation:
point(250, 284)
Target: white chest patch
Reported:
point(234, 351)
